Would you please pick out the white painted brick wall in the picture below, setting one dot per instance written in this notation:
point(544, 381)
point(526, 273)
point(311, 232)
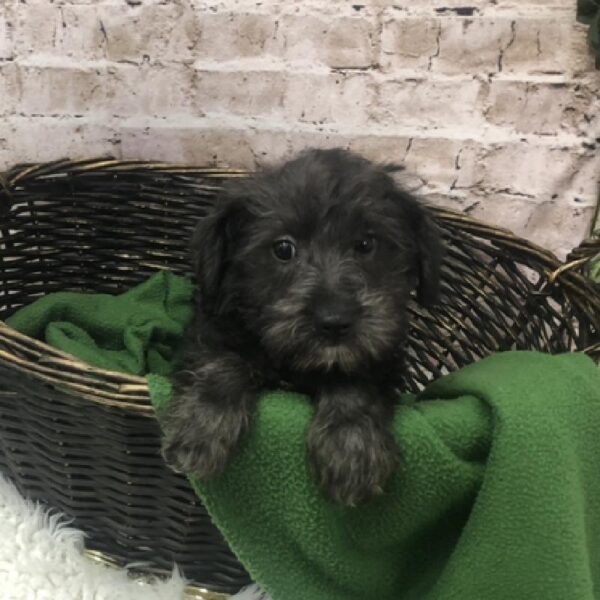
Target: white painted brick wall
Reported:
point(493, 105)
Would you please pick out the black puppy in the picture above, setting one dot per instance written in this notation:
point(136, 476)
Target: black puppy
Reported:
point(305, 272)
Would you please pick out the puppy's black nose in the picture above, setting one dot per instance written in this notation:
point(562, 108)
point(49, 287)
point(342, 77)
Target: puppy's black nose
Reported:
point(334, 322)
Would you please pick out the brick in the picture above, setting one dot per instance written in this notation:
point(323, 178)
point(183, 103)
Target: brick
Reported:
point(409, 43)
point(472, 45)
point(348, 44)
point(472, 7)
point(547, 46)
point(58, 91)
point(116, 91)
point(10, 97)
point(552, 4)
point(189, 145)
point(101, 31)
point(154, 33)
point(87, 2)
point(268, 146)
point(344, 42)
point(6, 34)
point(467, 163)
point(444, 163)
point(428, 103)
point(527, 169)
point(230, 36)
point(153, 91)
point(540, 108)
point(429, 162)
point(80, 33)
point(41, 139)
point(558, 225)
point(453, 201)
point(554, 224)
point(382, 149)
point(246, 93)
point(203, 144)
point(35, 29)
point(317, 139)
point(580, 187)
point(502, 210)
point(337, 98)
point(74, 31)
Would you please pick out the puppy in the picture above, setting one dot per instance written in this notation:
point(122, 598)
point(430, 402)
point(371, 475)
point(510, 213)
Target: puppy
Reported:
point(305, 272)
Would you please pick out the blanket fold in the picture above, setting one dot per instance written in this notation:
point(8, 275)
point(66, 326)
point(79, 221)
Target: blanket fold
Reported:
point(498, 496)
point(137, 332)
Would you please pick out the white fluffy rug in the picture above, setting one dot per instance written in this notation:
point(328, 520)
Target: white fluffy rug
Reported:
point(41, 559)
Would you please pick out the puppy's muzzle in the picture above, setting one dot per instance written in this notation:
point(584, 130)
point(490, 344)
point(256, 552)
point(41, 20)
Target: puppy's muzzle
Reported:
point(335, 318)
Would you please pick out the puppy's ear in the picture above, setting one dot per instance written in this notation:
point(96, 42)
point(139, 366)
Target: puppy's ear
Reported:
point(428, 245)
point(430, 253)
point(212, 247)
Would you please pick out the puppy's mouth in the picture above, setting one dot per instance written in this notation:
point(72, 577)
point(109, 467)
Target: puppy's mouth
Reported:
point(334, 340)
point(348, 353)
point(293, 339)
point(329, 357)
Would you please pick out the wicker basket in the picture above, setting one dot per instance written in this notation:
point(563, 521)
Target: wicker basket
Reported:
point(585, 257)
point(85, 440)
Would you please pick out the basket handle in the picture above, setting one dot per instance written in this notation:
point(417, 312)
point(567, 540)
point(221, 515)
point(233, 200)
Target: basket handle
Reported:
point(5, 193)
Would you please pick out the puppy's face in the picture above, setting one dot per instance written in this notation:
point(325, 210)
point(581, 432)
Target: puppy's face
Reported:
point(319, 256)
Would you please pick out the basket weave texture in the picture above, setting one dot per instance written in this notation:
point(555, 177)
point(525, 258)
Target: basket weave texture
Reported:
point(85, 440)
point(586, 257)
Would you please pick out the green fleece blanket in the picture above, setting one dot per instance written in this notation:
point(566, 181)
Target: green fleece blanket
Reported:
point(588, 12)
point(137, 332)
point(498, 497)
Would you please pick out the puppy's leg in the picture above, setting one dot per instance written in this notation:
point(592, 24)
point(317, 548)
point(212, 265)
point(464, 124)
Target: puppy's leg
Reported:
point(211, 409)
point(350, 443)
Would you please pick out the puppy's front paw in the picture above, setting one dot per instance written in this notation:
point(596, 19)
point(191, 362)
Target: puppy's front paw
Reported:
point(210, 412)
point(201, 444)
point(203, 447)
point(352, 461)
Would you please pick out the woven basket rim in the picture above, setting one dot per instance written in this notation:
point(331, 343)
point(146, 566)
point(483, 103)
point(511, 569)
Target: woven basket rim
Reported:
point(130, 392)
point(191, 592)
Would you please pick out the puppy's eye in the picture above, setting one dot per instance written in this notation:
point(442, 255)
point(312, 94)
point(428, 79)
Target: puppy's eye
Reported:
point(284, 249)
point(365, 246)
